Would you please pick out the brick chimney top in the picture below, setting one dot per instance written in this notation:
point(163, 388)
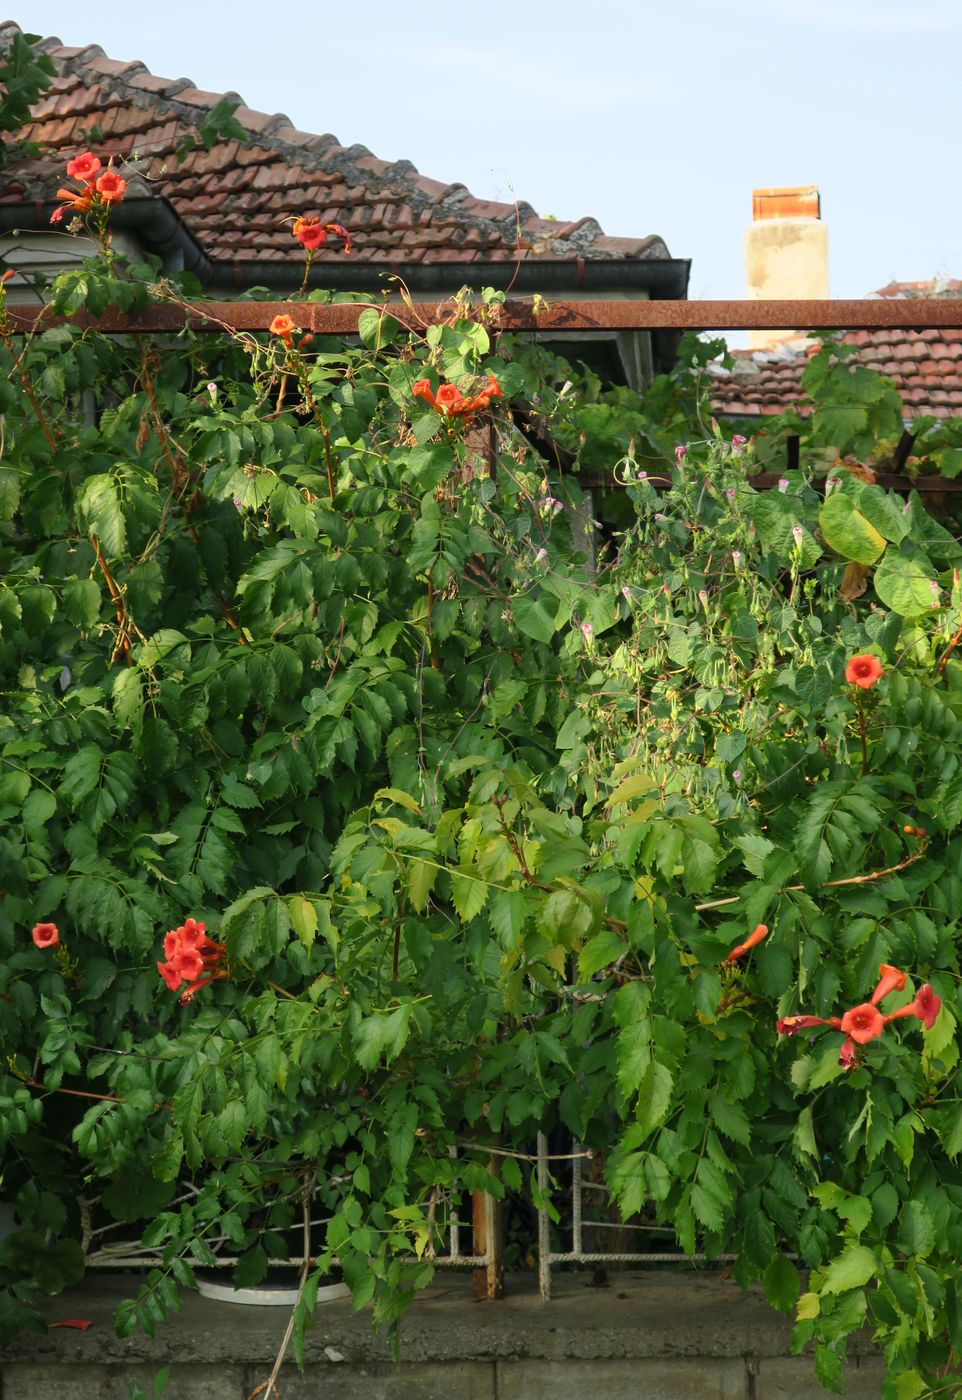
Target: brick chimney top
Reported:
point(786, 253)
point(790, 202)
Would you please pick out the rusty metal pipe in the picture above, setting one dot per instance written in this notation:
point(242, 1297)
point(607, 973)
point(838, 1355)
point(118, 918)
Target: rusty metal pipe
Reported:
point(918, 313)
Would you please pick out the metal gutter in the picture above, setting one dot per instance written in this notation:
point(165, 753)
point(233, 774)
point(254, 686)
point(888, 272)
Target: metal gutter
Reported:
point(661, 278)
point(153, 220)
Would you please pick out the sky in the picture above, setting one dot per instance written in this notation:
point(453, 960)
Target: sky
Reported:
point(651, 117)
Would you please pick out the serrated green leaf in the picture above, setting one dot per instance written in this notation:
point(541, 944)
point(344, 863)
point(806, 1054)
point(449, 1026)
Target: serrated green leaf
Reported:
point(852, 1269)
point(916, 1230)
point(602, 950)
point(760, 1240)
point(468, 895)
point(782, 1284)
point(654, 1097)
point(730, 1119)
point(421, 878)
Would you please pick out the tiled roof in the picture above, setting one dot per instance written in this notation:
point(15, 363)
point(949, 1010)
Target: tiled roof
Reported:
point(925, 365)
point(234, 198)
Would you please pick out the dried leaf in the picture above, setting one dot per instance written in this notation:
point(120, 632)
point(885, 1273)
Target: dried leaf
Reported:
point(855, 468)
point(854, 581)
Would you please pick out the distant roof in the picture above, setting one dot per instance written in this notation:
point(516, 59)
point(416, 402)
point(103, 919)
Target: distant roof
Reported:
point(234, 199)
point(925, 365)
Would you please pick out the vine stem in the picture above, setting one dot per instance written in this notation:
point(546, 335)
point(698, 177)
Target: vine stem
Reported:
point(281, 991)
point(24, 378)
point(515, 845)
point(396, 959)
point(78, 1093)
point(863, 731)
point(269, 1387)
point(943, 660)
point(828, 885)
point(123, 622)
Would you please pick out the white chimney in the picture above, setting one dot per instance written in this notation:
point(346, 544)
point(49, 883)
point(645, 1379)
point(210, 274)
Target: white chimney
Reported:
point(786, 253)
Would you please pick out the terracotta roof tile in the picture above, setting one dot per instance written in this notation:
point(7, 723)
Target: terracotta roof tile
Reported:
point(235, 199)
point(925, 366)
point(147, 82)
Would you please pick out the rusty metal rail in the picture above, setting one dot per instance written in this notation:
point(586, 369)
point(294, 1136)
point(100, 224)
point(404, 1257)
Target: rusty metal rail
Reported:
point(917, 313)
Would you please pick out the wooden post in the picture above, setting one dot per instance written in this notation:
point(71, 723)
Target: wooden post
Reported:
point(487, 1220)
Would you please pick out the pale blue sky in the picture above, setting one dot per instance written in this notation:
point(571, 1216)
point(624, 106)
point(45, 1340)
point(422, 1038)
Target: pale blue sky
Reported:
point(652, 117)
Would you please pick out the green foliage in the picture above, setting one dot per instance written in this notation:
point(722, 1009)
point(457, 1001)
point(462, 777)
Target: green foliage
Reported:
point(476, 826)
point(24, 77)
point(219, 124)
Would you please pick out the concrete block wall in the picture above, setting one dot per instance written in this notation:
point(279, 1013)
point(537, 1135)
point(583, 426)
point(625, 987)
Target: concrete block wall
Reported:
point(655, 1336)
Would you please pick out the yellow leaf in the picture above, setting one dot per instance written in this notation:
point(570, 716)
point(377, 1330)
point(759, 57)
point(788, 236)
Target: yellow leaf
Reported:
point(403, 799)
point(556, 957)
point(304, 919)
point(808, 1306)
point(631, 787)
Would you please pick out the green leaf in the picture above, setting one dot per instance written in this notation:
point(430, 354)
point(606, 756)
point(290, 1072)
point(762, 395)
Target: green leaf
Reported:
point(905, 585)
point(883, 509)
point(730, 1119)
point(602, 950)
point(9, 493)
point(909, 1385)
point(535, 617)
point(565, 917)
point(99, 503)
point(781, 1283)
point(633, 1055)
point(133, 1195)
point(165, 1163)
point(654, 1097)
point(381, 1034)
point(760, 1240)
point(951, 1132)
point(421, 876)
point(507, 914)
point(239, 795)
point(468, 895)
point(852, 1269)
point(885, 1204)
point(707, 1209)
point(916, 1230)
point(847, 531)
point(81, 602)
point(376, 329)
